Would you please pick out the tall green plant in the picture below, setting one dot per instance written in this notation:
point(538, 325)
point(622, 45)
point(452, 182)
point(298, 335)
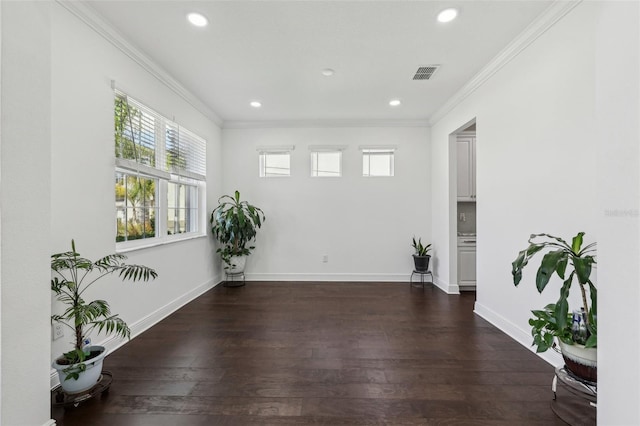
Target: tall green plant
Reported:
point(420, 250)
point(72, 276)
point(234, 223)
point(567, 261)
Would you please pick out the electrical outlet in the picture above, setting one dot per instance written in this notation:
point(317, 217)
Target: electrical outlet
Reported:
point(57, 331)
point(325, 258)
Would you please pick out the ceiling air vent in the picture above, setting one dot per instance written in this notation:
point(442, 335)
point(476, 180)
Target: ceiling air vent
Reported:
point(425, 73)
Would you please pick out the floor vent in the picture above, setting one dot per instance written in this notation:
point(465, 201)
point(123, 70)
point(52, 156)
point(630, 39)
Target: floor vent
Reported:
point(425, 73)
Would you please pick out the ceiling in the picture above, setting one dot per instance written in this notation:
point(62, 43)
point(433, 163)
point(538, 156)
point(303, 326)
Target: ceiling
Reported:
point(275, 51)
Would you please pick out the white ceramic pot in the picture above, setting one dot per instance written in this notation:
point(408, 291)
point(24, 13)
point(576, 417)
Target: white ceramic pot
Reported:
point(581, 361)
point(237, 264)
point(87, 378)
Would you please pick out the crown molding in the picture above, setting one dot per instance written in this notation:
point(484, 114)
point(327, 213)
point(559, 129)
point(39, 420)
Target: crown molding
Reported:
point(546, 20)
point(92, 19)
point(277, 124)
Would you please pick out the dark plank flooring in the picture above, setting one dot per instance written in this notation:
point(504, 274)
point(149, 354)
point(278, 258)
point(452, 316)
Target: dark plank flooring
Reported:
point(322, 354)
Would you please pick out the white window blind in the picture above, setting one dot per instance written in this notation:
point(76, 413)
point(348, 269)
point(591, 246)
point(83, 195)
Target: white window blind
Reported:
point(275, 164)
point(185, 152)
point(275, 161)
point(326, 163)
point(149, 143)
point(378, 161)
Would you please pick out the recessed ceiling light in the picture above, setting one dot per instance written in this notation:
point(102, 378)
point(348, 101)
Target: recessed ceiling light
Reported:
point(395, 102)
point(197, 19)
point(447, 15)
point(328, 72)
point(255, 104)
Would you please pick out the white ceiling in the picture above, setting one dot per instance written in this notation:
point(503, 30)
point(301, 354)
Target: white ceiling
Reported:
point(274, 52)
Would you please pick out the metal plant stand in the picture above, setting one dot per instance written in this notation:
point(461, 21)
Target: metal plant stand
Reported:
point(422, 275)
point(574, 399)
point(234, 279)
point(62, 399)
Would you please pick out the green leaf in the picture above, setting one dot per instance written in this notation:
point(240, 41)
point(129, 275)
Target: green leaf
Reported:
point(533, 249)
point(587, 249)
point(562, 267)
point(522, 260)
point(516, 267)
point(576, 243)
point(548, 267)
point(593, 295)
point(592, 341)
point(582, 265)
point(548, 340)
point(561, 313)
point(560, 242)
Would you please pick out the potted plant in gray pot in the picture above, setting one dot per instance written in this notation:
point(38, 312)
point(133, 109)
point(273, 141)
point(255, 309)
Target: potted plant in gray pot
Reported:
point(577, 330)
point(80, 368)
point(234, 224)
point(421, 256)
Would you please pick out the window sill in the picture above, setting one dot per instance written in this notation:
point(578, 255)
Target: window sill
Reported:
point(157, 242)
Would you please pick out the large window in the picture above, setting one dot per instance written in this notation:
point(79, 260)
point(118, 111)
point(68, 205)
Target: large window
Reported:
point(159, 177)
point(377, 161)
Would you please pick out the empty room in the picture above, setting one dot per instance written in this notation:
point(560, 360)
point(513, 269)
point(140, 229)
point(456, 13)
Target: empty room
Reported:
point(290, 212)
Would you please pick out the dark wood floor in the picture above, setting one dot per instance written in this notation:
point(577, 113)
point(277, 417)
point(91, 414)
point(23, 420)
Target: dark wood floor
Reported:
point(322, 354)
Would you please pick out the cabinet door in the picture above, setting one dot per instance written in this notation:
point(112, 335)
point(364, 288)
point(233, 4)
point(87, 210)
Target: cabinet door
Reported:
point(466, 266)
point(465, 170)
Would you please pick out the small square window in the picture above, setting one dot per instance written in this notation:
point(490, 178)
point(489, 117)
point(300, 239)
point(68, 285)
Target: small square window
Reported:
point(275, 164)
point(326, 164)
point(377, 162)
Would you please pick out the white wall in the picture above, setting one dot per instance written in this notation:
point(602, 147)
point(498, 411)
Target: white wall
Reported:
point(364, 225)
point(535, 162)
point(618, 148)
point(82, 177)
point(25, 193)
point(541, 167)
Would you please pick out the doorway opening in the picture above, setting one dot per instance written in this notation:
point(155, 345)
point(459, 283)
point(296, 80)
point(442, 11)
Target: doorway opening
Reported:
point(463, 198)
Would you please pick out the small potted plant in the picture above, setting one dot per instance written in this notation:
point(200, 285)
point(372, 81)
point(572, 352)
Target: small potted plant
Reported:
point(577, 330)
point(234, 224)
point(421, 256)
point(80, 368)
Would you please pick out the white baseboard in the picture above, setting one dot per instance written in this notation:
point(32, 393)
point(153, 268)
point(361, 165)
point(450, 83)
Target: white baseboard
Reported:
point(400, 278)
point(49, 422)
point(327, 277)
point(446, 287)
point(318, 277)
point(112, 343)
point(521, 336)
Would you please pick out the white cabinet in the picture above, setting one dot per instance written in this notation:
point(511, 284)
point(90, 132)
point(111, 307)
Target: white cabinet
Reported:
point(466, 161)
point(466, 263)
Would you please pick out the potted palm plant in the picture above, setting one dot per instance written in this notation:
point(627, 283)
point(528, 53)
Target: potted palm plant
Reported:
point(80, 368)
point(234, 224)
point(577, 330)
point(421, 256)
